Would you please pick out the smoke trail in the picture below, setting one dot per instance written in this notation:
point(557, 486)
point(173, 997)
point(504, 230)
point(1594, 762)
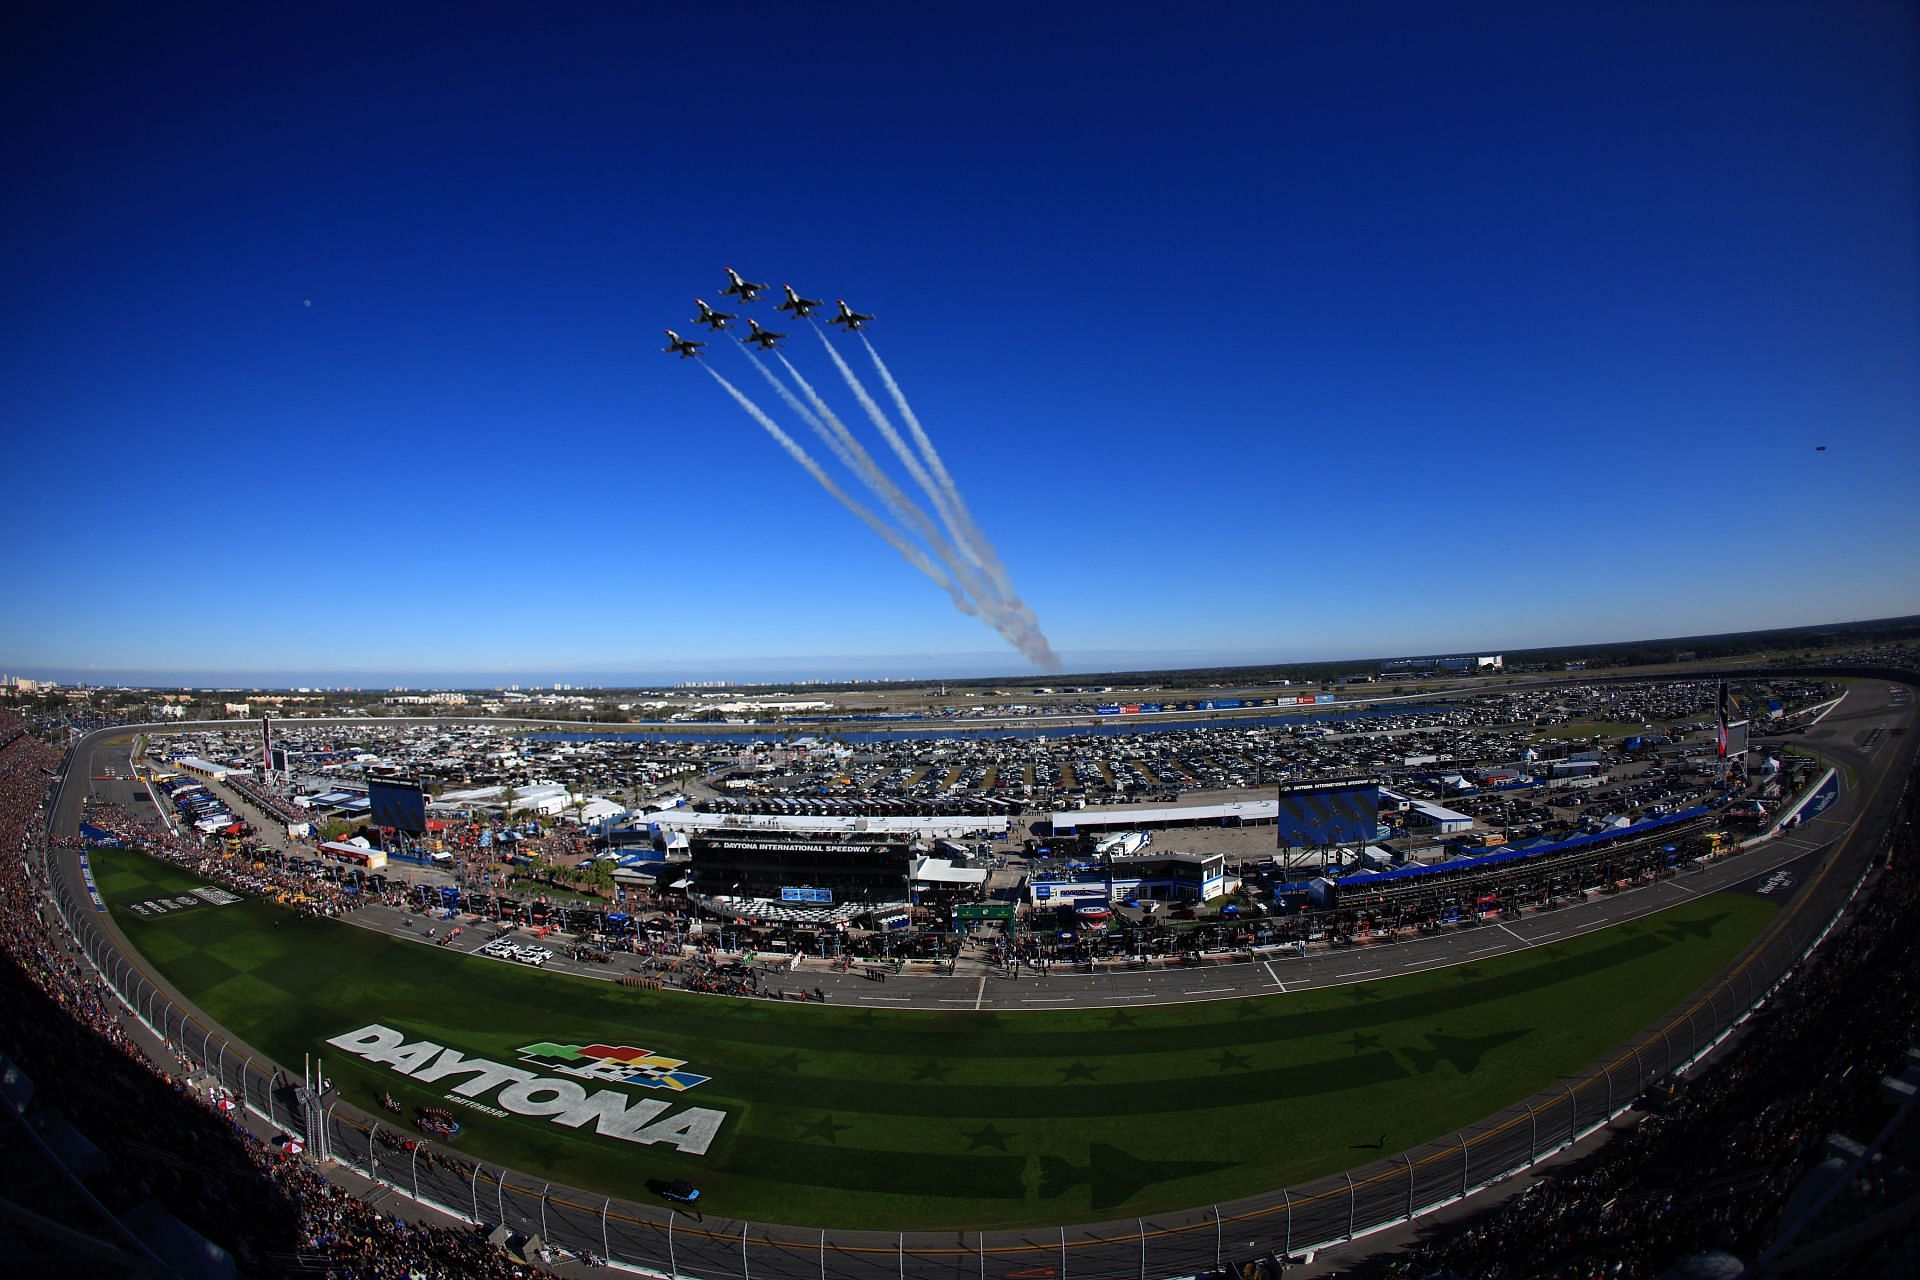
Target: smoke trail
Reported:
point(836, 443)
point(1002, 607)
point(894, 538)
point(854, 456)
point(978, 547)
point(1013, 618)
point(900, 450)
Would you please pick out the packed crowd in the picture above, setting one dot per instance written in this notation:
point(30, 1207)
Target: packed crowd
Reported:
point(248, 871)
point(162, 1138)
point(1714, 1164)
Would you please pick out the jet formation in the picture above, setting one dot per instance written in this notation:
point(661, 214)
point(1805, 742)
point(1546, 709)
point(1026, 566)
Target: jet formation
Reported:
point(747, 291)
point(941, 539)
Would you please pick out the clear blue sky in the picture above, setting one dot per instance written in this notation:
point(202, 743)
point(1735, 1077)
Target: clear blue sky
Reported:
point(1246, 331)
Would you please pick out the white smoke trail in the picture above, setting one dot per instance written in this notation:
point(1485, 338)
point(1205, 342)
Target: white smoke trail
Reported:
point(838, 443)
point(976, 543)
point(1003, 606)
point(894, 538)
point(854, 456)
point(907, 457)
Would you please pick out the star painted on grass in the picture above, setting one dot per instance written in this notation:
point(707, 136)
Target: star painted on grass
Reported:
point(1078, 1071)
point(1231, 1061)
point(987, 1136)
point(932, 1071)
point(825, 1128)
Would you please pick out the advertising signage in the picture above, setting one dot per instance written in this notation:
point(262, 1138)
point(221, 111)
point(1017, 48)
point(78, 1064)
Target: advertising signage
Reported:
point(792, 894)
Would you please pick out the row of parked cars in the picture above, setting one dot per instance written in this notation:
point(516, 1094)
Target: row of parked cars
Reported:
point(503, 949)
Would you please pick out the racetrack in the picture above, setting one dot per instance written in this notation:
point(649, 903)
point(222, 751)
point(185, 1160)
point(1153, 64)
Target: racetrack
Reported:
point(850, 1117)
point(1379, 1192)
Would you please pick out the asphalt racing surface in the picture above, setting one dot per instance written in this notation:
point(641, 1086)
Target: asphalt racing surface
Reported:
point(1811, 870)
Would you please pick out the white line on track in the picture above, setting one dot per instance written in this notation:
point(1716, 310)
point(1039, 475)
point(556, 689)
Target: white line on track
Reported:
point(1357, 973)
point(1500, 946)
point(1207, 991)
point(981, 994)
point(866, 999)
point(1037, 999)
point(1511, 934)
point(1691, 893)
point(1268, 966)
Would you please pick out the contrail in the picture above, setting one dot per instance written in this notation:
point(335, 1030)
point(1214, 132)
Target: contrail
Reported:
point(906, 455)
point(967, 533)
point(1002, 607)
point(894, 538)
point(854, 456)
point(979, 549)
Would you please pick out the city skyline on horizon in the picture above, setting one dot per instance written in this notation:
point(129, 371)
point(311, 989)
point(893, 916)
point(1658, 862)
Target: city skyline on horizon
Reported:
point(801, 670)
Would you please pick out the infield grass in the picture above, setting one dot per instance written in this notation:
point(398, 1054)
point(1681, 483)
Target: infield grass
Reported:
point(858, 1118)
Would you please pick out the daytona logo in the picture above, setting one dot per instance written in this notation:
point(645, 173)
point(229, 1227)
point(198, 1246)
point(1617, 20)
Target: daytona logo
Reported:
point(525, 1094)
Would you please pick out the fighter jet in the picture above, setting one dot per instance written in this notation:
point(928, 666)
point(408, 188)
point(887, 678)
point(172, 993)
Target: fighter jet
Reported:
point(745, 290)
point(798, 305)
point(849, 317)
point(717, 320)
point(683, 347)
point(767, 340)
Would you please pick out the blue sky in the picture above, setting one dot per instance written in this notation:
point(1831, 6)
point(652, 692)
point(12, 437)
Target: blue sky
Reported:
point(1246, 332)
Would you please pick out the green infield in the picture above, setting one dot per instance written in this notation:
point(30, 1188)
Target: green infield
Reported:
point(853, 1117)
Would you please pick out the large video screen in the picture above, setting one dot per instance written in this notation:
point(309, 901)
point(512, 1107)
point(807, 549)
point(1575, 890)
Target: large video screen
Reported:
point(1343, 813)
point(400, 805)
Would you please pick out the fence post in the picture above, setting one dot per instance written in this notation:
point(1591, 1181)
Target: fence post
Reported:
point(474, 1189)
point(1573, 1120)
point(1464, 1161)
point(1288, 1243)
point(983, 1256)
point(1533, 1134)
point(1142, 1225)
point(900, 1254)
point(543, 1209)
point(1639, 1070)
point(745, 1274)
point(1216, 1238)
point(415, 1173)
point(1668, 1040)
point(1409, 1160)
point(1350, 1206)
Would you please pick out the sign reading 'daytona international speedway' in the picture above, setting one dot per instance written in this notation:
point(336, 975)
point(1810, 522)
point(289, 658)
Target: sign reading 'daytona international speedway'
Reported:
point(523, 1093)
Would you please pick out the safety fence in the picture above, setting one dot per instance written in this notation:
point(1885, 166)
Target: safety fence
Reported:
point(1288, 1221)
